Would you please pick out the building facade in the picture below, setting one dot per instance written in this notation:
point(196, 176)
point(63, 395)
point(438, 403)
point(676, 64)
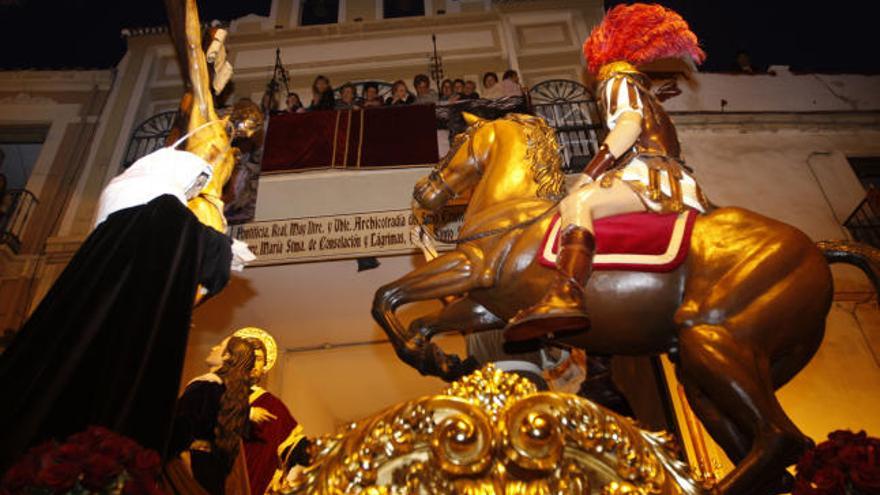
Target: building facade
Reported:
point(779, 143)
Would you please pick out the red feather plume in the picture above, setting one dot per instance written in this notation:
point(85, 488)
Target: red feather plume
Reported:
point(638, 34)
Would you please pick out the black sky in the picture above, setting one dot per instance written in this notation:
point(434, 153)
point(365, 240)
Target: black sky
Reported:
point(49, 34)
point(807, 35)
point(810, 36)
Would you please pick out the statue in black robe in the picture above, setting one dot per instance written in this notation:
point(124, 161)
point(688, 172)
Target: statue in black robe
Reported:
point(106, 345)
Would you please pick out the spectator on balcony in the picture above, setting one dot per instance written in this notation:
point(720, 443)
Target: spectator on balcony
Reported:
point(446, 91)
point(347, 100)
point(400, 94)
point(458, 87)
point(470, 91)
point(509, 85)
point(490, 86)
point(322, 95)
point(424, 93)
point(371, 96)
point(294, 104)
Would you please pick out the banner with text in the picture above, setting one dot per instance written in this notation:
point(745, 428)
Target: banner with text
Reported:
point(338, 236)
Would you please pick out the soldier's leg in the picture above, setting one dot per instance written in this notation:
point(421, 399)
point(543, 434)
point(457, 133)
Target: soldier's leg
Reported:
point(563, 307)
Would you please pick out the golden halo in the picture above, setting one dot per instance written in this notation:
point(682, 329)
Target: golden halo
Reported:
point(264, 337)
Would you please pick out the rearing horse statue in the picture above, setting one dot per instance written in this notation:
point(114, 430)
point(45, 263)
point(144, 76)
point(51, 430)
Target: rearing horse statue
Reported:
point(739, 318)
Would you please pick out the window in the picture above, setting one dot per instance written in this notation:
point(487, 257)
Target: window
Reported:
point(402, 8)
point(19, 150)
point(17, 162)
point(315, 12)
point(867, 169)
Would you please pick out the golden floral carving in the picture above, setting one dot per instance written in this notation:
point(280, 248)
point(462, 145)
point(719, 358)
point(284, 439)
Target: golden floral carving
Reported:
point(492, 433)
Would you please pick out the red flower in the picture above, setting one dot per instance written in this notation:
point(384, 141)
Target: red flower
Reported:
point(865, 475)
point(99, 470)
point(828, 481)
point(59, 476)
point(114, 447)
point(146, 464)
point(71, 453)
point(806, 467)
point(21, 475)
point(846, 437)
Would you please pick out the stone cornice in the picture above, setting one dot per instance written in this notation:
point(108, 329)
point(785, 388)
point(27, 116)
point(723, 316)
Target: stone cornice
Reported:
point(721, 121)
point(54, 80)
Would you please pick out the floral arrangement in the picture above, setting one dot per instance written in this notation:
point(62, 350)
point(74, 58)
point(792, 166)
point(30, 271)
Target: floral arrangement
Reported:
point(846, 463)
point(96, 461)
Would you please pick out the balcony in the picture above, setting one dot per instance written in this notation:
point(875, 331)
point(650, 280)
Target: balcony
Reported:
point(16, 206)
point(567, 106)
point(864, 222)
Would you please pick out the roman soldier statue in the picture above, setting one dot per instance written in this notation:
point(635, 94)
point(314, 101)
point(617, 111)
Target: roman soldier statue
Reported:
point(637, 168)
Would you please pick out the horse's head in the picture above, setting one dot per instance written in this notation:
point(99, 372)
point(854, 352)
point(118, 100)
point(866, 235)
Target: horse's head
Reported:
point(460, 169)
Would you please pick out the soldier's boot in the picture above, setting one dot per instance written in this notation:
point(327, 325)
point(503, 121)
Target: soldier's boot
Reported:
point(563, 307)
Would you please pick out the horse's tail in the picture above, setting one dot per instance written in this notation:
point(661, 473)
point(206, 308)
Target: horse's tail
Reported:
point(863, 256)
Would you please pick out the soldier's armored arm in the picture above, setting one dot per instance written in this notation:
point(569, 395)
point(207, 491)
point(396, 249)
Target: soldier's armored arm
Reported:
point(619, 140)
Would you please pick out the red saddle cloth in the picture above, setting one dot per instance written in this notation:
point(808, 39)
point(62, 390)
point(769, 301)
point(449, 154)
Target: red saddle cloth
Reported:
point(645, 242)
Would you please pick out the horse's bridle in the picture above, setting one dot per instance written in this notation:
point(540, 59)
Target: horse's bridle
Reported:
point(472, 162)
point(436, 177)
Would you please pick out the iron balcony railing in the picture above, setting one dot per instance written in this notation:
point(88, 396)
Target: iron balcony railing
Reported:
point(864, 222)
point(16, 206)
point(570, 109)
point(567, 106)
point(149, 136)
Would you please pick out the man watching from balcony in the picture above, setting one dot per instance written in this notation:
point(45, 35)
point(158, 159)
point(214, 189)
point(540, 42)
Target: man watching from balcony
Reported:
point(371, 96)
point(470, 91)
point(424, 93)
point(347, 99)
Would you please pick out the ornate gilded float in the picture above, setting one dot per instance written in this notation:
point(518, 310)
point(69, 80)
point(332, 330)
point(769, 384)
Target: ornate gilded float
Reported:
point(493, 433)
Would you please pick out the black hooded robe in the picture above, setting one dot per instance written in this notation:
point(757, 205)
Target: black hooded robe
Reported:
point(106, 345)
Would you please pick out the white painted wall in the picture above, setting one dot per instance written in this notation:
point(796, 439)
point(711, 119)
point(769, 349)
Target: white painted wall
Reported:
point(783, 92)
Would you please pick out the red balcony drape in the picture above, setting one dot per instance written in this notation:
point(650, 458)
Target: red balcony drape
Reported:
point(370, 138)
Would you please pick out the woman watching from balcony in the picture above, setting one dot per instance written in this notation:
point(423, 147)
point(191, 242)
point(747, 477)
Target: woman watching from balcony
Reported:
point(491, 88)
point(322, 95)
point(510, 85)
point(490, 79)
point(446, 92)
point(294, 104)
point(400, 94)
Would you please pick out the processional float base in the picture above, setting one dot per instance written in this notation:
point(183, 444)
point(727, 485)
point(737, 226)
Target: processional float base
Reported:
point(493, 433)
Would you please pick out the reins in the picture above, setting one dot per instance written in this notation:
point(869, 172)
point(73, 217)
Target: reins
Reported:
point(488, 233)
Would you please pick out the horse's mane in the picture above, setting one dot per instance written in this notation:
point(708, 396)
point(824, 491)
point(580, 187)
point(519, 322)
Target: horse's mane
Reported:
point(542, 152)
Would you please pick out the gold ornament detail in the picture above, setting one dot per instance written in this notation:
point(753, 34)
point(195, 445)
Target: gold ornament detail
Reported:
point(612, 68)
point(264, 337)
point(492, 433)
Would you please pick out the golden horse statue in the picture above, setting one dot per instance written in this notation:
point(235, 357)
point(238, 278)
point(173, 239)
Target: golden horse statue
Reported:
point(742, 315)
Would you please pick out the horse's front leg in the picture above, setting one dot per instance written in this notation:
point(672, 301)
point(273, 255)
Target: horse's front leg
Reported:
point(460, 315)
point(452, 274)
